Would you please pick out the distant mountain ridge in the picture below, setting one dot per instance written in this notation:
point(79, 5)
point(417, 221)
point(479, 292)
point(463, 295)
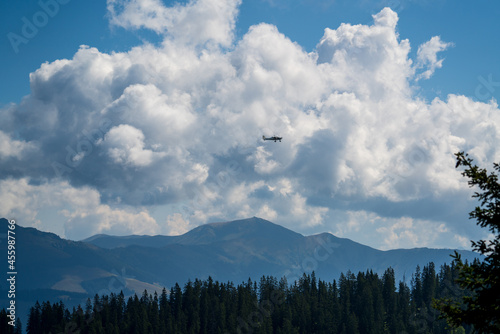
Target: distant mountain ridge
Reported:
point(231, 251)
point(260, 235)
point(204, 234)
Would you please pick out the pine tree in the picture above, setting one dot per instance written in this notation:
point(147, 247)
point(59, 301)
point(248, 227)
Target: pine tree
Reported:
point(404, 307)
point(5, 327)
point(390, 299)
point(19, 327)
point(428, 283)
point(416, 288)
point(191, 307)
point(34, 320)
point(357, 304)
point(482, 308)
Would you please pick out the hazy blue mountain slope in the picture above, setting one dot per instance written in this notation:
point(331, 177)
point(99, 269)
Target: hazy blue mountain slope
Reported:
point(49, 266)
point(256, 229)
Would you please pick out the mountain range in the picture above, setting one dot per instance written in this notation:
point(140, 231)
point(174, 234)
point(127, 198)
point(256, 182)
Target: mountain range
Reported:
point(52, 268)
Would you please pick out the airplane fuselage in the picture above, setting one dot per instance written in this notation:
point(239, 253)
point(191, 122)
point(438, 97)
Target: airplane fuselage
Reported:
point(274, 138)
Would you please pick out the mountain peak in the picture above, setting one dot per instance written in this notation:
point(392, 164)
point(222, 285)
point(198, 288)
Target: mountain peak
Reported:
point(233, 251)
point(249, 228)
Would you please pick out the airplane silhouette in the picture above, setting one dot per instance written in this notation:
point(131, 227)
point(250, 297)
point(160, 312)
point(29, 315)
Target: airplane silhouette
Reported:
point(272, 138)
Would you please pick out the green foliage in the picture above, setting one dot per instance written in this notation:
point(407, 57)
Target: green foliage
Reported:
point(481, 307)
point(5, 324)
point(362, 303)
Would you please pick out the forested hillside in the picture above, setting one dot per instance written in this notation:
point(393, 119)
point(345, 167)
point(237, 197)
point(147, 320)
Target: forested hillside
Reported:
point(356, 303)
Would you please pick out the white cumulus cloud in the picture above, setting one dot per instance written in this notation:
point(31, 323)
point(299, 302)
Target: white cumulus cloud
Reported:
point(125, 145)
point(197, 22)
point(178, 126)
point(427, 56)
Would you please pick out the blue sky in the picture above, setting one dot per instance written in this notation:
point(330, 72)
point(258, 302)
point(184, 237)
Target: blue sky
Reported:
point(471, 25)
point(153, 127)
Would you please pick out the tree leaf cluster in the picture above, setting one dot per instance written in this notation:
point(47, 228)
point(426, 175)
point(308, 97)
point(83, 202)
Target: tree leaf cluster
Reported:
point(482, 307)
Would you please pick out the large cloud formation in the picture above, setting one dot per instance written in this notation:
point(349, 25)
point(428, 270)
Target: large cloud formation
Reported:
point(165, 137)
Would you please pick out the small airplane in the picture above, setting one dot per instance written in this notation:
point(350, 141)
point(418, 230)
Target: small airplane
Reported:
point(272, 138)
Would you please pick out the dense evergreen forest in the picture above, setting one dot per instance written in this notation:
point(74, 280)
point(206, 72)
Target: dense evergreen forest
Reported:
point(363, 303)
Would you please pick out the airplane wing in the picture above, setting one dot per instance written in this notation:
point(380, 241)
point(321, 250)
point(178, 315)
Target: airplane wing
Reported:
point(275, 138)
